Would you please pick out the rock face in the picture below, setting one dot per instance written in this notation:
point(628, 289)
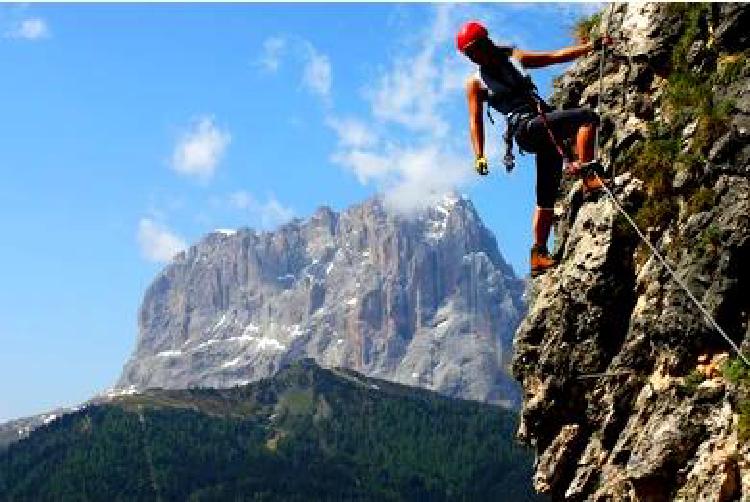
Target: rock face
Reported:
point(424, 300)
point(18, 429)
point(629, 394)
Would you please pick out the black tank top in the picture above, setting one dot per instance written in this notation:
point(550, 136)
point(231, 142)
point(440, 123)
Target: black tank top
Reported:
point(509, 88)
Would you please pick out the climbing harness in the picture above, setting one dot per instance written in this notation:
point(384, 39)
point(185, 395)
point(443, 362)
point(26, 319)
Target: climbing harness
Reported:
point(655, 252)
point(593, 166)
point(545, 121)
point(512, 93)
point(551, 134)
point(508, 159)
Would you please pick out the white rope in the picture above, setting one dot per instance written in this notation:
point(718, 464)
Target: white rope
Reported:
point(601, 82)
point(655, 252)
point(604, 375)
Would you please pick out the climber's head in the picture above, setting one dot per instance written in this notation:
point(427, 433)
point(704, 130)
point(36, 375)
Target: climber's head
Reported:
point(473, 41)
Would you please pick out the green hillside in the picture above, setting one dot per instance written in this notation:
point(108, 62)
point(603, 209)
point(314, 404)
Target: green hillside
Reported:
point(306, 434)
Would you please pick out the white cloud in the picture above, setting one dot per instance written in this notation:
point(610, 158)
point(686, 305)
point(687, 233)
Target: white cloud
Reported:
point(317, 73)
point(366, 165)
point(316, 76)
point(241, 200)
point(572, 11)
point(411, 177)
point(273, 213)
point(352, 132)
point(158, 243)
point(273, 52)
point(30, 29)
point(200, 150)
point(411, 92)
point(266, 215)
point(418, 161)
point(566, 13)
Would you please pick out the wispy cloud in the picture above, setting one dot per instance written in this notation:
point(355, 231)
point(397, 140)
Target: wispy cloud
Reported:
point(317, 72)
point(352, 132)
point(572, 11)
point(272, 54)
point(241, 200)
point(266, 214)
point(158, 243)
point(412, 177)
point(199, 151)
point(316, 76)
point(33, 28)
point(566, 14)
point(414, 159)
point(274, 213)
point(411, 91)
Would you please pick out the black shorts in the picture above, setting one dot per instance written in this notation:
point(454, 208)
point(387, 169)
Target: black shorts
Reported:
point(532, 136)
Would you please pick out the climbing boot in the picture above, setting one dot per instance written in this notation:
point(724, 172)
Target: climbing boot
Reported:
point(593, 189)
point(541, 260)
point(591, 168)
point(592, 173)
point(576, 168)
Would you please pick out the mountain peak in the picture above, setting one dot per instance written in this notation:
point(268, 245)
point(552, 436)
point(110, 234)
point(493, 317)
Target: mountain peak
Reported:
point(424, 299)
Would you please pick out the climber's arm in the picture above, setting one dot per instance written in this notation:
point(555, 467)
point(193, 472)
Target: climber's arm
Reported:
point(538, 59)
point(476, 95)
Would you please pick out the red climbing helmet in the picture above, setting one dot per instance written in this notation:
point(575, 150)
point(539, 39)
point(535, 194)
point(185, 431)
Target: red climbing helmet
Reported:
point(469, 33)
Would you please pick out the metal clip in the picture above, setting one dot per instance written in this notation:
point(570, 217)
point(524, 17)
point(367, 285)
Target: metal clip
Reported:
point(509, 162)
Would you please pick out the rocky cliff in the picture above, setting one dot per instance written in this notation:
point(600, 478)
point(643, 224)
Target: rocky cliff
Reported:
point(629, 394)
point(425, 300)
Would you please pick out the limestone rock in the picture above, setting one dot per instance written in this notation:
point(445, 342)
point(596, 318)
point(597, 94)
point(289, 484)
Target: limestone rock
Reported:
point(625, 395)
point(425, 300)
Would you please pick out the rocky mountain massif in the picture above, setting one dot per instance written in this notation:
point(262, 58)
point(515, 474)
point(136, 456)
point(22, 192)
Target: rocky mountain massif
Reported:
point(425, 300)
point(629, 393)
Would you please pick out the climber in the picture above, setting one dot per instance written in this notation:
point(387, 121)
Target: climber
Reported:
point(502, 82)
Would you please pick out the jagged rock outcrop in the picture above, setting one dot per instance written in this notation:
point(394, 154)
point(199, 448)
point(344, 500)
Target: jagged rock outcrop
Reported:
point(20, 428)
point(425, 300)
point(629, 393)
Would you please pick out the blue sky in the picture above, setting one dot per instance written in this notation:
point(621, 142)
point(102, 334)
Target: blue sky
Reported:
point(130, 130)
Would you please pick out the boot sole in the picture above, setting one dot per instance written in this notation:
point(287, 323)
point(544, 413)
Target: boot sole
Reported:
point(536, 272)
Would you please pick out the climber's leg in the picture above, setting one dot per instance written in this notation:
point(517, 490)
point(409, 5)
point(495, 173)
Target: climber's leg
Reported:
point(585, 142)
point(548, 175)
point(541, 224)
point(585, 150)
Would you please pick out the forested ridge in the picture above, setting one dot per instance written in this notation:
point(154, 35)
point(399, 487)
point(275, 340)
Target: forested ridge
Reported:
point(306, 434)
